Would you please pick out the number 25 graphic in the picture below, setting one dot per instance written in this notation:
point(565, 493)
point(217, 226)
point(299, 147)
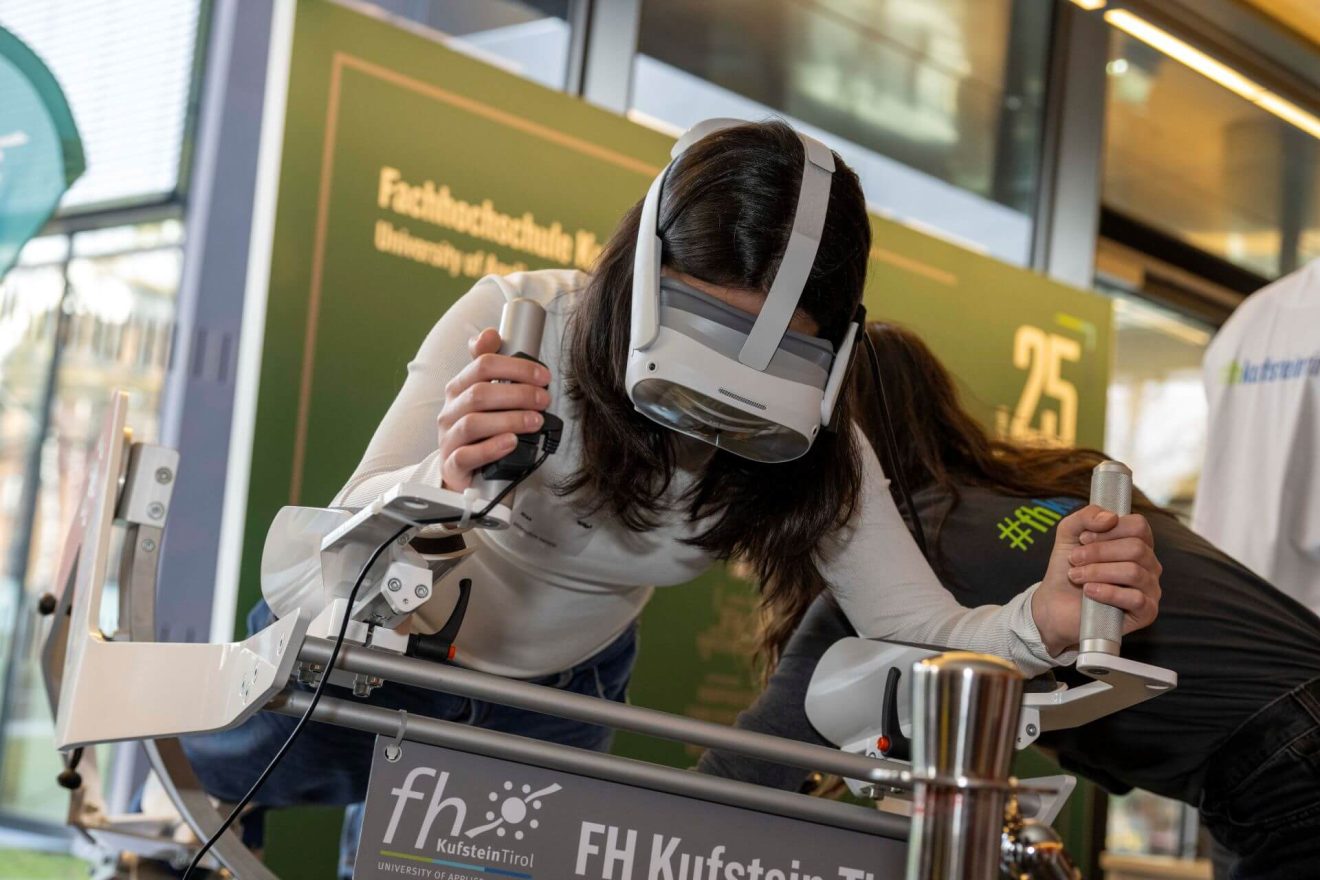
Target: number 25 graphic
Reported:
point(1042, 355)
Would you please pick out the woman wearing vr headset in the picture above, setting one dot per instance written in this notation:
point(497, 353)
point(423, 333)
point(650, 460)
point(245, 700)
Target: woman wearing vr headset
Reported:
point(1239, 738)
point(696, 370)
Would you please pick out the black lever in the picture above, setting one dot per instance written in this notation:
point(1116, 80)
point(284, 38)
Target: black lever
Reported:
point(892, 743)
point(439, 646)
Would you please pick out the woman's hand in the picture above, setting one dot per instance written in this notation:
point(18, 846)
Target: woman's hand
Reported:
point(1109, 558)
point(493, 399)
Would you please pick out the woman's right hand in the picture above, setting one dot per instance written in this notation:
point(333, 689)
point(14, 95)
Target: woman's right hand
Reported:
point(493, 399)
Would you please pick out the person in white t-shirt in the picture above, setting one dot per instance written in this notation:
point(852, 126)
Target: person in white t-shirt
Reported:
point(626, 504)
point(1259, 493)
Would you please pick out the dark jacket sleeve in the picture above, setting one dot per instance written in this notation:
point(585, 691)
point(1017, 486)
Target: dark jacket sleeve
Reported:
point(779, 710)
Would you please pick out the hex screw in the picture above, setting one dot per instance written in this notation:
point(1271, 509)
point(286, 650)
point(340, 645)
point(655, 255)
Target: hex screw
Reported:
point(156, 510)
point(1031, 730)
point(395, 585)
point(148, 545)
point(422, 591)
point(164, 475)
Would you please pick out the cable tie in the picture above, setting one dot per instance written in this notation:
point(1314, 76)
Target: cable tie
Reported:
point(470, 498)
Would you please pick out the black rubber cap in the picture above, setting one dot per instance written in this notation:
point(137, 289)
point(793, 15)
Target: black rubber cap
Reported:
point(70, 779)
point(47, 604)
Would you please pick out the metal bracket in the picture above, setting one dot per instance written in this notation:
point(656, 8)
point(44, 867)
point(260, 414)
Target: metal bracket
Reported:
point(394, 749)
point(1119, 684)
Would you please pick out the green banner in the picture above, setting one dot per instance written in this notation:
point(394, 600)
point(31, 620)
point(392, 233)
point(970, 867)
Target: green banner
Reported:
point(410, 170)
point(40, 152)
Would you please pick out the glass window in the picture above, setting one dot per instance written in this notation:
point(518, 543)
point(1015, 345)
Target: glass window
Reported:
point(531, 38)
point(1156, 416)
point(938, 105)
point(111, 296)
point(127, 71)
point(1193, 160)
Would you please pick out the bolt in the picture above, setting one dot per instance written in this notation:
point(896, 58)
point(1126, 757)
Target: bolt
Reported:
point(148, 545)
point(422, 591)
point(164, 475)
point(361, 687)
point(395, 585)
point(1031, 730)
point(393, 753)
point(156, 510)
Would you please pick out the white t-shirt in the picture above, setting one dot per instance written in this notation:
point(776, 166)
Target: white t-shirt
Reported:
point(558, 585)
point(1259, 494)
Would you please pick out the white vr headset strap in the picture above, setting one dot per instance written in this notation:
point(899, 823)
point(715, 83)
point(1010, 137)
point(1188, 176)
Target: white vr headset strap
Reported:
point(799, 256)
point(646, 269)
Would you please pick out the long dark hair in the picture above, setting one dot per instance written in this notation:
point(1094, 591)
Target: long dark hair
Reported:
point(939, 444)
point(726, 212)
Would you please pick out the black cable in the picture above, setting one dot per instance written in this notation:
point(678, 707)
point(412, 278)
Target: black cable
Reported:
point(334, 657)
point(891, 446)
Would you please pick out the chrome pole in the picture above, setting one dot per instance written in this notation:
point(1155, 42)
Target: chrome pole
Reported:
point(964, 712)
point(597, 765)
point(553, 701)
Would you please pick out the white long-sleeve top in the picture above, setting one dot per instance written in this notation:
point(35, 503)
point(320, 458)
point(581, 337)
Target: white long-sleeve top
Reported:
point(559, 585)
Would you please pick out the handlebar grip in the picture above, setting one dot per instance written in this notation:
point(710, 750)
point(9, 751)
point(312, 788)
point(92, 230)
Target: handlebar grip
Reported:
point(1102, 625)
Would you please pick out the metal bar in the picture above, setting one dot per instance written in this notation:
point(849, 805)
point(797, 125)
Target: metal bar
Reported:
point(551, 701)
point(1072, 150)
point(597, 765)
point(611, 48)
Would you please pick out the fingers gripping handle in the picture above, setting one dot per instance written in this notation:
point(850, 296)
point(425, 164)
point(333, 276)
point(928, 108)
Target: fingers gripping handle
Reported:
point(522, 324)
point(1102, 625)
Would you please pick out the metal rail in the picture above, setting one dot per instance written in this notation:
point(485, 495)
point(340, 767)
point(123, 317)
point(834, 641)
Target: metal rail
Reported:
point(578, 707)
point(597, 765)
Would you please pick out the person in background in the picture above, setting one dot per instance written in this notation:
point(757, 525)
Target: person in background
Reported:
point(1239, 738)
point(1259, 494)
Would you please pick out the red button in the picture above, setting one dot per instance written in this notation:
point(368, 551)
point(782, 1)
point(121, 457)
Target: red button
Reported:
point(883, 744)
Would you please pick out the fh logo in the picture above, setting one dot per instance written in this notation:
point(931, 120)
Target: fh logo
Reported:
point(508, 809)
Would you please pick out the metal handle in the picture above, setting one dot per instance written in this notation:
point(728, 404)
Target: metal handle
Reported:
point(1102, 625)
point(522, 324)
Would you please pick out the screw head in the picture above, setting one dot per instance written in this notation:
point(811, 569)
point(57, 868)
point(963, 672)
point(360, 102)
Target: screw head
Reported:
point(164, 475)
point(395, 585)
point(148, 545)
point(1031, 730)
point(422, 591)
point(156, 510)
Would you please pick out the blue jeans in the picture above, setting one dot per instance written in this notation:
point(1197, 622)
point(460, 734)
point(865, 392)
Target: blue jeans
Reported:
point(330, 765)
point(1262, 792)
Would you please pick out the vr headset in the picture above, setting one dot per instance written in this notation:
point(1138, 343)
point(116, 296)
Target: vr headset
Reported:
point(743, 383)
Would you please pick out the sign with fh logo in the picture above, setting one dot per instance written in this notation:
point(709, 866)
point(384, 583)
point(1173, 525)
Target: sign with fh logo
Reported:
point(446, 815)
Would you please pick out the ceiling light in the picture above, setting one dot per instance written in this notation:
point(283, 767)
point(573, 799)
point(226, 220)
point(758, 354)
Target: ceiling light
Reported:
point(1213, 69)
point(1290, 112)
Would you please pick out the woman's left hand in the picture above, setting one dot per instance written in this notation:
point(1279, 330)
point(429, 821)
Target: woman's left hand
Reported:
point(1109, 558)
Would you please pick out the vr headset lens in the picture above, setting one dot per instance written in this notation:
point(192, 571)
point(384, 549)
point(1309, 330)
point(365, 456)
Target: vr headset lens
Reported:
point(697, 415)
